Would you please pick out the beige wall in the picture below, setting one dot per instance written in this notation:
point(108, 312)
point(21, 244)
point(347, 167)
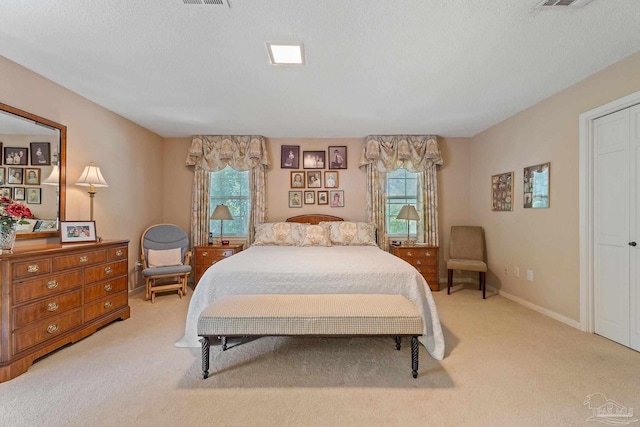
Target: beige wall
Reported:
point(129, 156)
point(543, 240)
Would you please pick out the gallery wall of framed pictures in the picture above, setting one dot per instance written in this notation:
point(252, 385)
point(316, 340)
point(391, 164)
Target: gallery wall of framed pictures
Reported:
point(535, 188)
point(23, 169)
point(315, 175)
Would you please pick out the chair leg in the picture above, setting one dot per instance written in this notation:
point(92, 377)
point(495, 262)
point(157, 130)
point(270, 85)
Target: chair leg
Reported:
point(449, 281)
point(483, 285)
point(148, 288)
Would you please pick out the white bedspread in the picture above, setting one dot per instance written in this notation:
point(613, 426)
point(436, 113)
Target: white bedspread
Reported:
point(317, 270)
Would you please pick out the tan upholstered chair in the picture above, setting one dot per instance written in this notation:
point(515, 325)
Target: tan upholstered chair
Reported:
point(466, 252)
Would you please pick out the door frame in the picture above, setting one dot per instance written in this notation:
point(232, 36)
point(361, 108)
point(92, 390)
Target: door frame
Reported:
point(586, 196)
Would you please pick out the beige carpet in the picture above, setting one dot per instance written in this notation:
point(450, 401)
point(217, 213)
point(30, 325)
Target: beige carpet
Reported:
point(505, 366)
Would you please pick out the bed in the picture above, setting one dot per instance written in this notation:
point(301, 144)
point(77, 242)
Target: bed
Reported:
point(315, 268)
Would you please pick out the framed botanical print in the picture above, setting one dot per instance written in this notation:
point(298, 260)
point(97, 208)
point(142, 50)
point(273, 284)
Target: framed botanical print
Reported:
point(290, 156)
point(337, 157)
point(536, 186)
point(502, 192)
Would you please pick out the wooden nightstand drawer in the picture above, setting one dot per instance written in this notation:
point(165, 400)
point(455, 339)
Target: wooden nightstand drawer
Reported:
point(424, 259)
point(207, 255)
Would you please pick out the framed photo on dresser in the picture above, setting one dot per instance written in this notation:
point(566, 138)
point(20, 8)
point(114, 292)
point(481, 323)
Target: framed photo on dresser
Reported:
point(77, 231)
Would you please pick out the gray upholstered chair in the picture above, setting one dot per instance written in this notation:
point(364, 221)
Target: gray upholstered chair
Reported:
point(166, 259)
point(466, 252)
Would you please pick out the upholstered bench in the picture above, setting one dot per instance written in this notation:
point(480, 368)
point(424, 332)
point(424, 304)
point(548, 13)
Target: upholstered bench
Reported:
point(310, 315)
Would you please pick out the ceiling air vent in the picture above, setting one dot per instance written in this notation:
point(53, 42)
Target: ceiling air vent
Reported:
point(559, 4)
point(210, 2)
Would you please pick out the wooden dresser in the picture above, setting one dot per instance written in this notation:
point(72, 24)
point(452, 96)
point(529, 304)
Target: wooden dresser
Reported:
point(207, 255)
point(54, 294)
point(424, 259)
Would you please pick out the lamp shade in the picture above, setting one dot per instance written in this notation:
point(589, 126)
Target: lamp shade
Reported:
point(92, 176)
point(54, 176)
point(221, 212)
point(408, 212)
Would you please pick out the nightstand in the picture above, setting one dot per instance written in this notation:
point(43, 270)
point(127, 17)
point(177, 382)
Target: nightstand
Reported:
point(424, 259)
point(207, 255)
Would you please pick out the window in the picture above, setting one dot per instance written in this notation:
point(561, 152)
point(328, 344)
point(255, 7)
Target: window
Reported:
point(230, 187)
point(402, 189)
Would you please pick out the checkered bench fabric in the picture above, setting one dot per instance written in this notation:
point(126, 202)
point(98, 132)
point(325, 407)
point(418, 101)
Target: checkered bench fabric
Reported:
point(310, 314)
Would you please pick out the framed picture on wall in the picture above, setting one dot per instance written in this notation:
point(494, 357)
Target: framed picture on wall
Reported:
point(536, 186)
point(337, 157)
point(314, 179)
point(16, 155)
point(337, 198)
point(3, 178)
point(290, 156)
point(295, 199)
point(34, 196)
point(15, 175)
point(297, 179)
point(32, 176)
point(40, 153)
point(313, 159)
point(323, 197)
point(309, 197)
point(331, 179)
point(502, 192)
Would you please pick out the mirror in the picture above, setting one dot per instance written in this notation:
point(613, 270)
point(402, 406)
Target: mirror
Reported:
point(536, 186)
point(32, 170)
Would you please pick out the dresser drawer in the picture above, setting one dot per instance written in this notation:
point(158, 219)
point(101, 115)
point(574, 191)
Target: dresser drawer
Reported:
point(46, 330)
point(106, 288)
point(78, 260)
point(104, 306)
point(48, 307)
point(116, 254)
point(46, 286)
point(105, 271)
point(35, 267)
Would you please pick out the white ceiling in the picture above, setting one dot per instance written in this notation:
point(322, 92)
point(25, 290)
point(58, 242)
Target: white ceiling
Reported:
point(446, 67)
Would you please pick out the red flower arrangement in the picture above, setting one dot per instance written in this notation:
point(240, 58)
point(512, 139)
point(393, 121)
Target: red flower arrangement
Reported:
point(12, 213)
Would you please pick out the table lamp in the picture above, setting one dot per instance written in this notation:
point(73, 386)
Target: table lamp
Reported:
point(221, 212)
point(409, 213)
point(92, 177)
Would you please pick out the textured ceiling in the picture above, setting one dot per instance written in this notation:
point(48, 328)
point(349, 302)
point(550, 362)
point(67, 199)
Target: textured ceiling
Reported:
point(446, 67)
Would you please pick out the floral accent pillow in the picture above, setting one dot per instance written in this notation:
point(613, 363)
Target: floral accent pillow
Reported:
point(277, 234)
point(345, 233)
point(314, 235)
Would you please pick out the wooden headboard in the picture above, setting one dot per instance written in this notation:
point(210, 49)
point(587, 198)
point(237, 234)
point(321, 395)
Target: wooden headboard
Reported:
point(313, 218)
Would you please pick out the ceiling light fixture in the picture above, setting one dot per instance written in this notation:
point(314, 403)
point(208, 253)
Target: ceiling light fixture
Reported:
point(285, 53)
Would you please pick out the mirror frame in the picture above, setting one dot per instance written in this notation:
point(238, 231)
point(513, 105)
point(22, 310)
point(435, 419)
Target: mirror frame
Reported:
point(62, 160)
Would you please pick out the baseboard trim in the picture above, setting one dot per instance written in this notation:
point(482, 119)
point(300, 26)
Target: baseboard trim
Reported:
point(534, 307)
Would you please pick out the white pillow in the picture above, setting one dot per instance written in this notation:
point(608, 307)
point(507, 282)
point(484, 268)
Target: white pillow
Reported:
point(277, 234)
point(165, 258)
point(345, 233)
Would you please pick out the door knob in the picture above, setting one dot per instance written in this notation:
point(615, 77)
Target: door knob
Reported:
point(632, 243)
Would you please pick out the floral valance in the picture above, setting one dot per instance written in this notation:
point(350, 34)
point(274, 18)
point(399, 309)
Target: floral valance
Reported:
point(214, 152)
point(386, 153)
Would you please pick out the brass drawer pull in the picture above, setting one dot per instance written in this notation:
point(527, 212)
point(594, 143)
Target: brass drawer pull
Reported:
point(52, 284)
point(119, 252)
point(108, 270)
point(409, 253)
point(52, 328)
point(428, 254)
point(419, 262)
point(108, 304)
point(84, 259)
point(205, 253)
point(52, 306)
point(108, 287)
point(33, 268)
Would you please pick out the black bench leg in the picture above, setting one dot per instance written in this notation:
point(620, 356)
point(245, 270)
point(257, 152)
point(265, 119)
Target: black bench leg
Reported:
point(224, 343)
point(398, 342)
point(205, 357)
point(414, 356)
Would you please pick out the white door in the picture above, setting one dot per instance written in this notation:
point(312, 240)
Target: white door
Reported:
point(616, 296)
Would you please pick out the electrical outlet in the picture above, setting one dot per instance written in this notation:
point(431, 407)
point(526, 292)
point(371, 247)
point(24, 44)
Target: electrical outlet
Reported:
point(506, 270)
point(516, 271)
point(530, 275)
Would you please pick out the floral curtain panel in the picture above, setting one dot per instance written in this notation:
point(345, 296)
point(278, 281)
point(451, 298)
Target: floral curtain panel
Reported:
point(211, 153)
point(416, 153)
